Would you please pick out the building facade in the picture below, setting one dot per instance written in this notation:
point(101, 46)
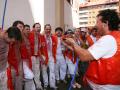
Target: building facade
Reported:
point(89, 10)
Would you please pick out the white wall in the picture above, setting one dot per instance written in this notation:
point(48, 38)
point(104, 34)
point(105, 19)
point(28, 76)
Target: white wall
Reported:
point(31, 11)
point(28, 11)
point(49, 13)
point(68, 15)
point(16, 10)
point(37, 8)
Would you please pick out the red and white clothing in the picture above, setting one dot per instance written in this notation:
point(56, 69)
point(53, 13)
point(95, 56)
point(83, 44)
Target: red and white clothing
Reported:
point(17, 55)
point(27, 66)
point(52, 41)
point(35, 44)
point(27, 63)
point(15, 69)
point(60, 67)
point(103, 73)
point(3, 64)
point(70, 61)
point(48, 50)
point(91, 40)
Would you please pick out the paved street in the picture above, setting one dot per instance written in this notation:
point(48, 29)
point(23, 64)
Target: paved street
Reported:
point(63, 86)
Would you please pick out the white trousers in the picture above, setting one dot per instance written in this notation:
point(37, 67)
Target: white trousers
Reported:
point(3, 81)
point(60, 67)
point(29, 84)
point(71, 66)
point(28, 77)
point(51, 66)
point(36, 70)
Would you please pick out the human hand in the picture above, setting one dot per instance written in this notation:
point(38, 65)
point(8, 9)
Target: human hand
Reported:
point(68, 42)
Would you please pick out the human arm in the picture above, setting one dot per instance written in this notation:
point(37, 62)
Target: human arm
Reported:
point(83, 54)
point(105, 47)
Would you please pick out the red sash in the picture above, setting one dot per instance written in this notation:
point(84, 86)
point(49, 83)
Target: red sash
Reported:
point(44, 50)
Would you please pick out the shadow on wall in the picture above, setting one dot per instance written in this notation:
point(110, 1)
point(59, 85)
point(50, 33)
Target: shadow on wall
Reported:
point(16, 10)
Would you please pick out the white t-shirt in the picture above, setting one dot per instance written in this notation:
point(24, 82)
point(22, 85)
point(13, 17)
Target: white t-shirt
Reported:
point(105, 47)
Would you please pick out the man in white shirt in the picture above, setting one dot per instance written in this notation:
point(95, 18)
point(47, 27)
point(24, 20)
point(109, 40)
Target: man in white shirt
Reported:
point(48, 49)
point(60, 70)
point(103, 72)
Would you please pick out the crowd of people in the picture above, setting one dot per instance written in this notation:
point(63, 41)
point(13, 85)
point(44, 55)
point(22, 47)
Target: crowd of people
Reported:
point(26, 55)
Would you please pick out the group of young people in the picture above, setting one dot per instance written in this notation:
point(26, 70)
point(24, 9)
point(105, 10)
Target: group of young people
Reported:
point(26, 55)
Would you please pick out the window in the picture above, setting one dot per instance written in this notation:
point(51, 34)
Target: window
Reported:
point(83, 13)
point(82, 23)
point(83, 18)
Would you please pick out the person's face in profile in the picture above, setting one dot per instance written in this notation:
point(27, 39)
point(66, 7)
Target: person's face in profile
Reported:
point(100, 26)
